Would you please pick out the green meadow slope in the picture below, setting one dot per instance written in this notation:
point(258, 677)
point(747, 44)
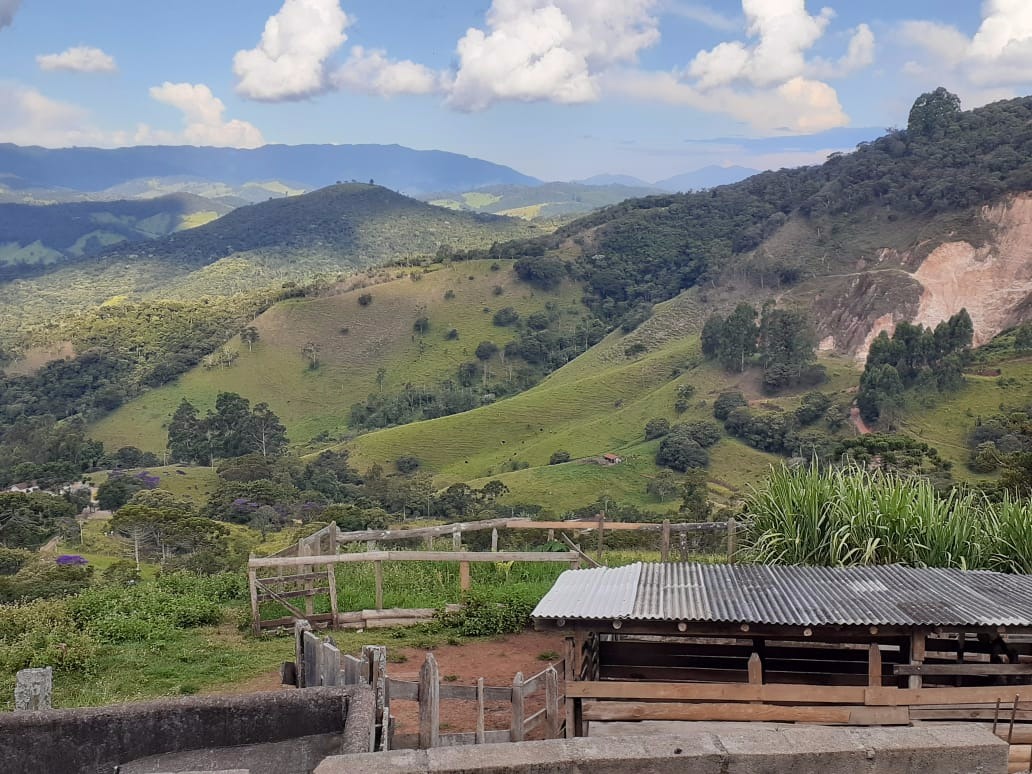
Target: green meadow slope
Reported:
point(354, 342)
point(598, 403)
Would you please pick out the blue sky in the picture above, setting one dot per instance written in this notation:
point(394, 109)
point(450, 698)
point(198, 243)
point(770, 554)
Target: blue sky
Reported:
point(559, 89)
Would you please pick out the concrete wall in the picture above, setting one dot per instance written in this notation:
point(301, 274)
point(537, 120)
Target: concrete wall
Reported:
point(932, 749)
point(97, 740)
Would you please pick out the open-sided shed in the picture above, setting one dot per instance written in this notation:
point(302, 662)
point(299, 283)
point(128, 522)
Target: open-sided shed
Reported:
point(861, 645)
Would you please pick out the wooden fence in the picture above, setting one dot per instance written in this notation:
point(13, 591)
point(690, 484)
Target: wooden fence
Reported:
point(282, 588)
point(320, 663)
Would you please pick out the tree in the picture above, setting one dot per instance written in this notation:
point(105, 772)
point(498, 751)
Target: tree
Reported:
point(506, 316)
point(559, 457)
point(365, 299)
point(681, 452)
point(186, 435)
point(421, 325)
point(663, 485)
point(727, 402)
point(712, 334)
point(269, 434)
point(492, 490)
point(407, 463)
point(694, 497)
point(787, 344)
point(656, 428)
point(931, 113)
point(116, 492)
point(880, 394)
point(249, 336)
point(739, 338)
point(484, 352)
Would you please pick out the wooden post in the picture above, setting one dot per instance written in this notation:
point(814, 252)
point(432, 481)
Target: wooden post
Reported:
point(569, 675)
point(518, 717)
point(874, 666)
point(370, 545)
point(494, 540)
point(329, 665)
point(464, 576)
point(732, 540)
point(917, 656)
point(480, 710)
point(305, 550)
point(331, 578)
point(375, 656)
point(300, 627)
point(456, 540)
point(378, 572)
point(428, 542)
point(332, 531)
point(755, 672)
point(429, 704)
point(552, 723)
point(256, 621)
point(601, 527)
point(664, 547)
point(551, 535)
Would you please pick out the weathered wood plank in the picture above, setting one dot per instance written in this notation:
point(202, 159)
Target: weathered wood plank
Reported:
point(480, 706)
point(817, 694)
point(418, 556)
point(535, 721)
point(378, 573)
point(898, 697)
point(281, 595)
point(841, 715)
point(966, 668)
point(429, 704)
point(256, 618)
point(329, 665)
point(403, 690)
point(874, 666)
point(518, 716)
point(275, 579)
point(552, 718)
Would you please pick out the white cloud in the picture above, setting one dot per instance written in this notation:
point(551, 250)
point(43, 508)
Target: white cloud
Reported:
point(702, 14)
point(799, 105)
point(30, 118)
point(79, 59)
point(290, 61)
point(859, 55)
point(371, 72)
point(203, 118)
point(7, 10)
point(996, 58)
point(551, 50)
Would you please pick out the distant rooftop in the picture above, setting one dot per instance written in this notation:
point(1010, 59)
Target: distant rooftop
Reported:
point(791, 596)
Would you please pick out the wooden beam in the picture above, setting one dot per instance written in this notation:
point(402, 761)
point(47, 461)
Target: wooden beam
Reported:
point(464, 583)
point(418, 556)
point(874, 666)
point(516, 731)
point(842, 715)
point(812, 694)
point(480, 703)
point(256, 619)
point(898, 697)
point(429, 704)
point(331, 577)
point(276, 579)
point(274, 595)
point(664, 546)
point(295, 594)
point(732, 540)
point(378, 573)
point(570, 672)
point(967, 668)
point(552, 721)
point(917, 656)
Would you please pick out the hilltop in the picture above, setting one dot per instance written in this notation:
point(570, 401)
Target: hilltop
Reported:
point(548, 200)
point(296, 238)
point(304, 166)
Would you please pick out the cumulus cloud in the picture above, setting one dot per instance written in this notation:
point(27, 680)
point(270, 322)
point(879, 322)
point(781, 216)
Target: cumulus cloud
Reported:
point(30, 118)
point(702, 14)
point(549, 49)
point(998, 55)
point(290, 61)
point(79, 59)
point(203, 119)
point(7, 10)
point(372, 72)
point(799, 105)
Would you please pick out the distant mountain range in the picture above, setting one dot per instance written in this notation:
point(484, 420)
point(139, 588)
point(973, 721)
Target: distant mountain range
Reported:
point(548, 200)
point(696, 180)
point(304, 167)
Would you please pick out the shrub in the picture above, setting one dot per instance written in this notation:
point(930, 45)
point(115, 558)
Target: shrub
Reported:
point(421, 325)
point(681, 452)
point(656, 428)
point(703, 432)
point(506, 316)
point(449, 295)
point(452, 334)
point(727, 402)
point(365, 299)
point(13, 559)
point(497, 290)
point(407, 463)
point(558, 457)
point(484, 615)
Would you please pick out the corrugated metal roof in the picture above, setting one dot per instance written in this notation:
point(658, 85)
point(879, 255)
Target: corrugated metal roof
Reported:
point(791, 596)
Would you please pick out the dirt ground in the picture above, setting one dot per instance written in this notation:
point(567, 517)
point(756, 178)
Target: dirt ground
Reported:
point(496, 660)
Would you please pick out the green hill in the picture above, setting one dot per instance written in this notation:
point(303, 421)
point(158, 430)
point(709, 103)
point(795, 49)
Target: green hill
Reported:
point(297, 238)
point(354, 342)
point(36, 236)
point(548, 200)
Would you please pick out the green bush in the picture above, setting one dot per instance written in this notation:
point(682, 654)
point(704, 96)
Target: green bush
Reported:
point(13, 559)
point(42, 633)
point(485, 614)
point(559, 457)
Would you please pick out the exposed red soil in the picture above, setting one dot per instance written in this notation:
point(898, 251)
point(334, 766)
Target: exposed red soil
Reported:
point(496, 660)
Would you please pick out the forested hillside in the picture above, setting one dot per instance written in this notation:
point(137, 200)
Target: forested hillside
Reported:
point(33, 237)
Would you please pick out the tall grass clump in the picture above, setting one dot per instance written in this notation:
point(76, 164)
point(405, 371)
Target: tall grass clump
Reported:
point(850, 516)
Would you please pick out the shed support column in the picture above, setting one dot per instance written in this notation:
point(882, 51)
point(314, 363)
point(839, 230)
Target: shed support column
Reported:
point(917, 656)
point(571, 672)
